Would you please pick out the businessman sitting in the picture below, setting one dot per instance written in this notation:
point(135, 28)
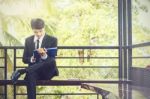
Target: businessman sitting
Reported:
point(43, 68)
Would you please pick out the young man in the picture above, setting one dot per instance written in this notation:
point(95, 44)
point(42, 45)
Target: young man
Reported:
point(43, 68)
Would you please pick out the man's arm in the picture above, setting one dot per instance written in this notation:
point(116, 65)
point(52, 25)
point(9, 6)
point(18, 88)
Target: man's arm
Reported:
point(54, 44)
point(26, 58)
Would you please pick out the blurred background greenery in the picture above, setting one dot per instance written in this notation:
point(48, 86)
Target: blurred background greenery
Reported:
point(74, 23)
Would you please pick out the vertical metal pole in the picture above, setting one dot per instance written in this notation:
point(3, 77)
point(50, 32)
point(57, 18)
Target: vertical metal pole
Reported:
point(125, 64)
point(120, 37)
point(103, 97)
point(124, 39)
point(129, 38)
point(5, 63)
point(14, 70)
point(120, 23)
point(97, 96)
point(129, 6)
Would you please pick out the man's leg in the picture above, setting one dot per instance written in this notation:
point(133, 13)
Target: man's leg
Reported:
point(48, 70)
point(31, 84)
point(48, 64)
point(33, 74)
point(38, 66)
point(17, 74)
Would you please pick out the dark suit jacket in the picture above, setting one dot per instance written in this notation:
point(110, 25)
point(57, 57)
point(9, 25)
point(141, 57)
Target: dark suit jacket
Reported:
point(48, 42)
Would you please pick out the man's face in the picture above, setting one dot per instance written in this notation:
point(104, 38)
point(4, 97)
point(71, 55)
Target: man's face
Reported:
point(39, 32)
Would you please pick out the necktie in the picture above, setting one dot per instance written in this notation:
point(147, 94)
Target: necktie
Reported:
point(37, 44)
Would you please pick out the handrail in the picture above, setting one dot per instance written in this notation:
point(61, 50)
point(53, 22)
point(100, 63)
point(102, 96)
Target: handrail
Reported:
point(67, 47)
point(145, 44)
point(66, 82)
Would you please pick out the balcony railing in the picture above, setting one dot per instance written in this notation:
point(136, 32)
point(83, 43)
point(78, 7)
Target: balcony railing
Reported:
point(61, 82)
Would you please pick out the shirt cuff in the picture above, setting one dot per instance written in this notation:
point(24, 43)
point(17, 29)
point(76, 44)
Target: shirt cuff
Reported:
point(31, 60)
point(44, 57)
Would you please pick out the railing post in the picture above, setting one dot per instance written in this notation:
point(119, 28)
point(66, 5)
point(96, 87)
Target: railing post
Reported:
point(97, 96)
point(129, 6)
point(5, 75)
point(14, 70)
point(125, 39)
point(120, 30)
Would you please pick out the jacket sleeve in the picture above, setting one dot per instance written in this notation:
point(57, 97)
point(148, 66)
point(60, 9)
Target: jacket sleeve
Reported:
point(54, 44)
point(26, 57)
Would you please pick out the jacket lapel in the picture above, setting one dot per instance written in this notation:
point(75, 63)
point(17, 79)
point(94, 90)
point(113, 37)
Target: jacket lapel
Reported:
point(44, 41)
point(32, 44)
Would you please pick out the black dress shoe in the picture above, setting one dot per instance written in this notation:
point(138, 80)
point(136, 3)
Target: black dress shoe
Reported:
point(15, 76)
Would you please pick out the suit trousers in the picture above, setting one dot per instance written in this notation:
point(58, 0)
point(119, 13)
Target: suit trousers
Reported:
point(44, 70)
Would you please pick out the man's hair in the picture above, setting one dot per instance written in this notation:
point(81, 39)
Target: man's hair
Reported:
point(37, 23)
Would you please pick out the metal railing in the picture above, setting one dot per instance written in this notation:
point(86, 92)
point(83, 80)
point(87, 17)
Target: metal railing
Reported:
point(15, 57)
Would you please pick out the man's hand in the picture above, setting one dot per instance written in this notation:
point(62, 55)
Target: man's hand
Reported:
point(33, 59)
point(42, 51)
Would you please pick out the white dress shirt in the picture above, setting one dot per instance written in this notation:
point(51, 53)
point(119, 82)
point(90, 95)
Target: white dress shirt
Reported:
point(40, 40)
